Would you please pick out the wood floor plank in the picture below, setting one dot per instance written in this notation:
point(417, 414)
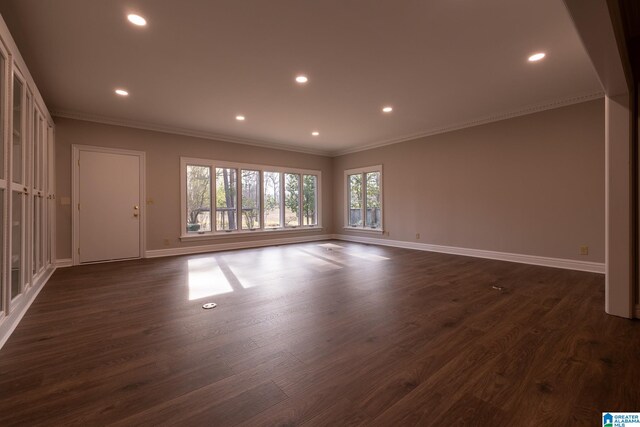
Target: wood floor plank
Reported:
point(322, 333)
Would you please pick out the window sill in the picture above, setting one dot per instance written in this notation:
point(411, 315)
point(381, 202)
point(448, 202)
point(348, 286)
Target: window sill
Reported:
point(245, 233)
point(364, 230)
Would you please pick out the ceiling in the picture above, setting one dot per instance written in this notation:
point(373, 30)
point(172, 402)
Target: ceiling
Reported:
point(441, 64)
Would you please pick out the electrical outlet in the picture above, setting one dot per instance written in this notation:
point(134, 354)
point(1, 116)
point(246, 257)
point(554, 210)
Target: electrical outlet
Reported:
point(584, 250)
point(417, 236)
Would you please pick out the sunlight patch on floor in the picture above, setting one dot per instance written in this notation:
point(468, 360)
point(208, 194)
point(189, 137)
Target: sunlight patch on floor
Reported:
point(206, 279)
point(277, 270)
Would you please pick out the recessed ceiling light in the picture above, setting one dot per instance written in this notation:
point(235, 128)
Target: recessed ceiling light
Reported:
point(122, 92)
point(240, 118)
point(536, 57)
point(137, 20)
point(387, 109)
point(315, 133)
point(302, 79)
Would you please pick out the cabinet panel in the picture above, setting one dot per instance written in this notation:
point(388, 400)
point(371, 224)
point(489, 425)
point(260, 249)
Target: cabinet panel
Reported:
point(26, 197)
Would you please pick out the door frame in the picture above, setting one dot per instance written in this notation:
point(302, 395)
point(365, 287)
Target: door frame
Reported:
point(75, 196)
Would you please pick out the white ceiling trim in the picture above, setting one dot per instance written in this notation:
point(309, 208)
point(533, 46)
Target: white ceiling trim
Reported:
point(185, 132)
point(536, 108)
point(278, 146)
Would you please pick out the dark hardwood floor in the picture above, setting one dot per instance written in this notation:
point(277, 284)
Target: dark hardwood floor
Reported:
point(326, 333)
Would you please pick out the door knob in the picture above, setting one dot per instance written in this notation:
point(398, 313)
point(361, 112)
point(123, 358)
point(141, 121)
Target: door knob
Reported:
point(135, 214)
point(136, 207)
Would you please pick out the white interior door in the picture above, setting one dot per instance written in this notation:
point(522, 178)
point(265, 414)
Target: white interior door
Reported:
point(109, 206)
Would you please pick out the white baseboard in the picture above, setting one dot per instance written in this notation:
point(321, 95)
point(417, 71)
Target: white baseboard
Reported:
point(62, 263)
point(9, 324)
point(569, 264)
point(187, 250)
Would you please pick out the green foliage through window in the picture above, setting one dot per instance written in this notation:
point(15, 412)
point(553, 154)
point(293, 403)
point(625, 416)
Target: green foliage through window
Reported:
point(364, 199)
point(248, 199)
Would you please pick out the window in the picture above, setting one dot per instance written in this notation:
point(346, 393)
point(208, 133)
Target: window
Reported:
point(355, 200)
point(373, 214)
point(363, 198)
point(250, 199)
point(272, 218)
point(291, 200)
point(310, 195)
point(198, 202)
point(224, 198)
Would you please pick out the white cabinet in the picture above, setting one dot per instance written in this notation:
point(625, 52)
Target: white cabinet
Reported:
point(26, 186)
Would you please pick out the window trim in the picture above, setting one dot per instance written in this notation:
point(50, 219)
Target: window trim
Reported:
point(239, 232)
point(362, 171)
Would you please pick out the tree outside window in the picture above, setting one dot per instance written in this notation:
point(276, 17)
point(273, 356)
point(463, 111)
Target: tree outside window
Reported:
point(364, 198)
point(309, 198)
point(198, 198)
point(272, 200)
point(250, 199)
point(355, 200)
point(291, 200)
point(374, 200)
point(226, 197)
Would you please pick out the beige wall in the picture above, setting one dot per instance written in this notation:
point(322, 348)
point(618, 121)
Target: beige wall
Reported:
point(528, 185)
point(163, 153)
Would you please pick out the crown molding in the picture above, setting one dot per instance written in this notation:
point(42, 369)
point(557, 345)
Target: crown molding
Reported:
point(535, 108)
point(185, 132)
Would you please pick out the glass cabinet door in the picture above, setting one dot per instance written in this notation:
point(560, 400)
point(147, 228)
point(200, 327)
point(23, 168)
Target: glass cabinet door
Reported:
point(3, 179)
point(41, 197)
point(37, 196)
point(16, 243)
point(17, 188)
point(35, 187)
point(49, 192)
point(27, 193)
point(17, 141)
